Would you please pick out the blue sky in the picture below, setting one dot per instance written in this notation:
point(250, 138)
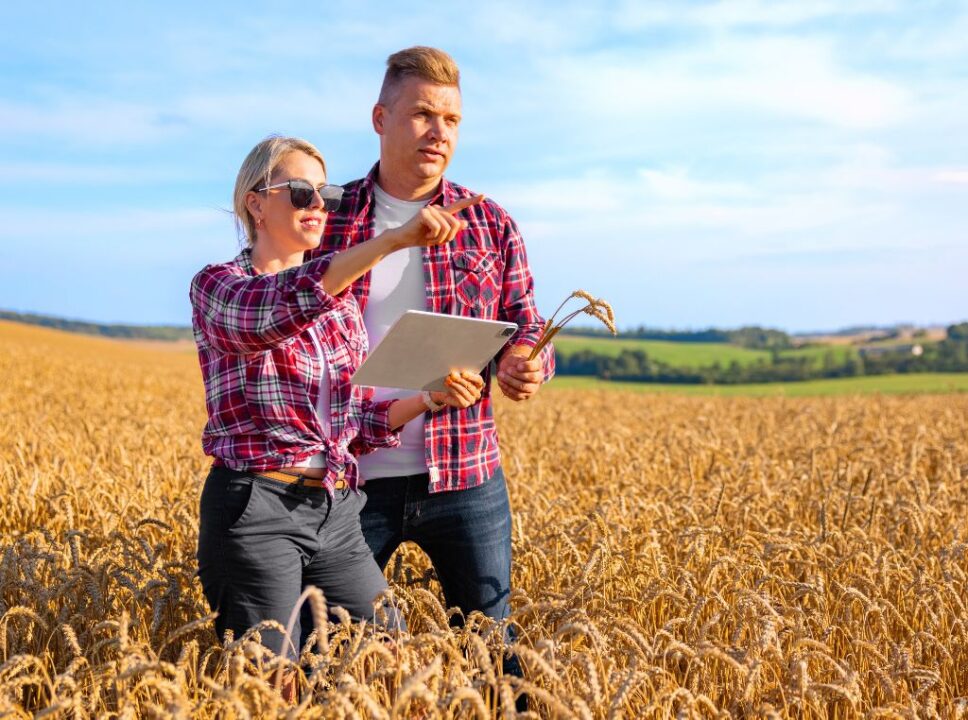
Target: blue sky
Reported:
point(802, 165)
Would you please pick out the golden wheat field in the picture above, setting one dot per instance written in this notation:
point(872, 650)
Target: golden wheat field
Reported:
point(690, 557)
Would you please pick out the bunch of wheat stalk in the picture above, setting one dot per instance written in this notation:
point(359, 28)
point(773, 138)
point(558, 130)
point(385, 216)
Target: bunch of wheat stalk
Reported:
point(596, 307)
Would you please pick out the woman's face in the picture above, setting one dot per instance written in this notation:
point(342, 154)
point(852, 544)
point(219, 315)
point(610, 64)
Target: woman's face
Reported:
point(287, 228)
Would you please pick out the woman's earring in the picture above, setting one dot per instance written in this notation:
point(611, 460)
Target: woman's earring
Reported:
point(258, 222)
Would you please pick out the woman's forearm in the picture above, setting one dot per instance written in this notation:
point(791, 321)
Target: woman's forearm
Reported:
point(347, 266)
point(404, 410)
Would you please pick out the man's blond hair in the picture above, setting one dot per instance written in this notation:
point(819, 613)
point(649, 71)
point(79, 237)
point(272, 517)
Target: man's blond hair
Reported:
point(422, 62)
point(256, 172)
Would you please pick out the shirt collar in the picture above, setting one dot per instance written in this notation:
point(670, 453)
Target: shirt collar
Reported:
point(244, 261)
point(445, 194)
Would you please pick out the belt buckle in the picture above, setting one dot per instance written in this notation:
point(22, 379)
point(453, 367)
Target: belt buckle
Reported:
point(340, 483)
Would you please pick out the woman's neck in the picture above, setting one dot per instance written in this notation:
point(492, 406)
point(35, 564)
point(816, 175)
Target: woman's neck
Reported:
point(268, 259)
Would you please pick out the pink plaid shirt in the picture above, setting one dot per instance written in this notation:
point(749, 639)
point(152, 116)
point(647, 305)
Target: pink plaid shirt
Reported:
point(262, 341)
point(483, 273)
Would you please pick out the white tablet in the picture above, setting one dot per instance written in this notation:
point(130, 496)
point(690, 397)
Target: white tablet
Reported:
point(421, 348)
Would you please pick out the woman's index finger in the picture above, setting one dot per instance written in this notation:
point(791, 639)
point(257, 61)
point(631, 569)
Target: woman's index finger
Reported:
point(456, 207)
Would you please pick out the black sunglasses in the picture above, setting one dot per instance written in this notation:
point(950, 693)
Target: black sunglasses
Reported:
point(302, 192)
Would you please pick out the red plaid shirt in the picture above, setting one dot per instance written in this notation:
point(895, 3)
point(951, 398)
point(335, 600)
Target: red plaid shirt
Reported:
point(262, 341)
point(483, 273)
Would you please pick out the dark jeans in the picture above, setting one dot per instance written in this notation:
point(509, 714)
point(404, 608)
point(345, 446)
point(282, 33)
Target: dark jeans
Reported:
point(466, 534)
point(261, 542)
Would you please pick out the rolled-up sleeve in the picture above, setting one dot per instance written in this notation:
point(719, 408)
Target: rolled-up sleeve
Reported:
point(242, 314)
point(517, 297)
point(375, 431)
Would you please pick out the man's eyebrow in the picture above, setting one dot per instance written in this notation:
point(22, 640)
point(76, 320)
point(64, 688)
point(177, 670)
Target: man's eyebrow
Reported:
point(430, 107)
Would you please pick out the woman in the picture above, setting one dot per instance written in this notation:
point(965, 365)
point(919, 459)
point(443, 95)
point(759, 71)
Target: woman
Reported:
point(278, 340)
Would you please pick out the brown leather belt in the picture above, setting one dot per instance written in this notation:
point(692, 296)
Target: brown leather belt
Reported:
point(297, 477)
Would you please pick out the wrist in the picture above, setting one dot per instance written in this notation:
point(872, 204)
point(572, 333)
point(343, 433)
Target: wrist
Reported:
point(518, 352)
point(392, 240)
point(428, 401)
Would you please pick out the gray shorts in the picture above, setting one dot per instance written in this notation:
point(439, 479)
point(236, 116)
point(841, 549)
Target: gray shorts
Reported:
point(261, 542)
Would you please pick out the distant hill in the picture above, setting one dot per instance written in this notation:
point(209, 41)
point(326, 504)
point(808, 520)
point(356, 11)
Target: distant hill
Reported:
point(754, 337)
point(127, 332)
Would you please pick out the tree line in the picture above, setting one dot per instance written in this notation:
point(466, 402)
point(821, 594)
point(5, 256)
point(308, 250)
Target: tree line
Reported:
point(753, 337)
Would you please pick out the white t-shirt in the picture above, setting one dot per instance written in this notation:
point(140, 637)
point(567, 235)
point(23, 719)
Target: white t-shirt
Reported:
point(322, 409)
point(397, 284)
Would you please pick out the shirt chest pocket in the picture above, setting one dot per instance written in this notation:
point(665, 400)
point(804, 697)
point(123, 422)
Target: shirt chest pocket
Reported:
point(339, 344)
point(352, 342)
point(477, 278)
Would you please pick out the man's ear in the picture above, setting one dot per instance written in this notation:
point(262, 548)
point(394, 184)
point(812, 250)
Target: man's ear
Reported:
point(379, 117)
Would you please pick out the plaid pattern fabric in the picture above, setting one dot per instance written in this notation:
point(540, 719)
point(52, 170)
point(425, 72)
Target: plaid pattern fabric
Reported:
point(484, 273)
point(262, 341)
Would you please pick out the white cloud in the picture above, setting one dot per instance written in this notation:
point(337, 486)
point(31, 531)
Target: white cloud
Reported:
point(867, 170)
point(104, 122)
point(780, 77)
point(625, 212)
point(926, 37)
point(952, 177)
point(678, 184)
point(732, 14)
point(556, 72)
point(83, 119)
point(342, 105)
point(538, 27)
point(862, 201)
point(114, 227)
point(86, 174)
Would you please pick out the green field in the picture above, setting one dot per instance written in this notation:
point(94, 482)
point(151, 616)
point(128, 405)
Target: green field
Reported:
point(885, 384)
point(680, 354)
point(839, 352)
point(692, 355)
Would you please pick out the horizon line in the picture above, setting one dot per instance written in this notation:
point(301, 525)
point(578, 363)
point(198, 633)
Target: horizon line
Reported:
point(575, 329)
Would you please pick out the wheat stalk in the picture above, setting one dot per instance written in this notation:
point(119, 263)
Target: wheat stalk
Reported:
point(596, 307)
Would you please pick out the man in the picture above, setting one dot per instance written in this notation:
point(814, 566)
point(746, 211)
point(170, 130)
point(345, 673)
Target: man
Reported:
point(443, 488)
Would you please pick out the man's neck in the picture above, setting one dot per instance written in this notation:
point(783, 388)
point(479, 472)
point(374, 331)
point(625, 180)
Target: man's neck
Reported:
point(405, 188)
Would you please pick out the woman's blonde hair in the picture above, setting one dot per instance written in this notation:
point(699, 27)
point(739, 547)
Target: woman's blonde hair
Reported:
point(256, 172)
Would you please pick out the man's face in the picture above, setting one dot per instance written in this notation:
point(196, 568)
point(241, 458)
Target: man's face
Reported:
point(418, 134)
